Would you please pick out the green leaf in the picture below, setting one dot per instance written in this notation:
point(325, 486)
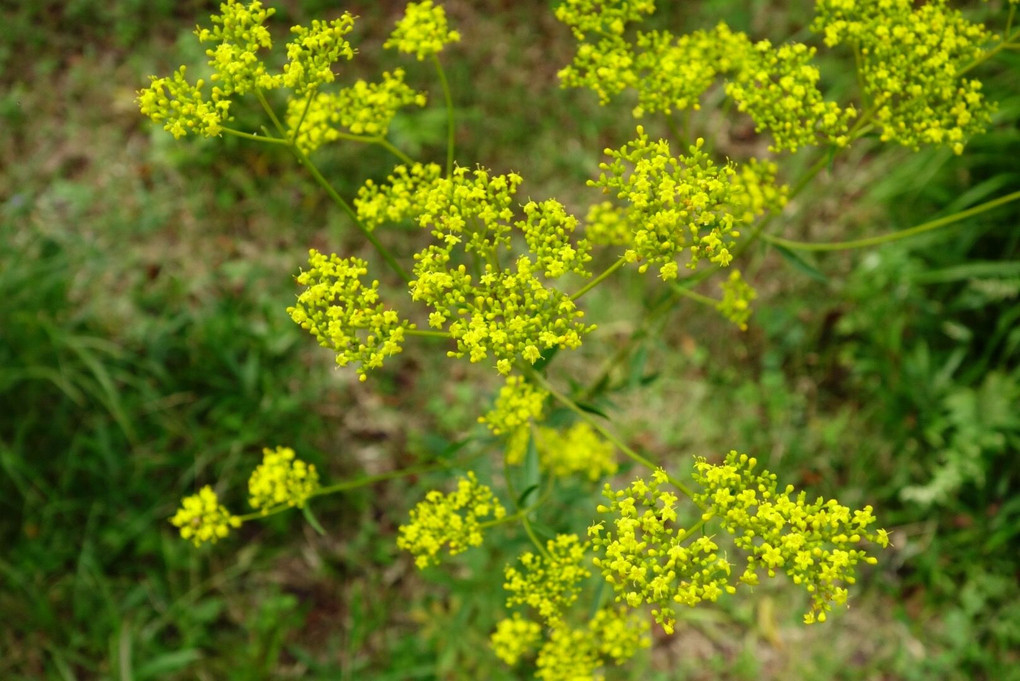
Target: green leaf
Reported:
point(544, 360)
point(522, 500)
point(163, 665)
point(798, 263)
point(592, 409)
point(970, 270)
point(312, 520)
point(532, 471)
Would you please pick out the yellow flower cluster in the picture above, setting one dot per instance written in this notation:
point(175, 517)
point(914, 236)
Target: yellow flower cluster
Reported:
point(606, 225)
point(579, 449)
point(312, 52)
point(648, 559)
point(202, 519)
point(181, 106)
point(573, 653)
point(736, 302)
point(517, 405)
point(754, 193)
point(601, 17)
point(450, 520)
point(240, 34)
point(911, 61)
point(673, 72)
point(911, 58)
point(423, 30)
point(346, 316)
point(363, 108)
point(549, 584)
point(778, 88)
point(755, 190)
point(817, 544)
point(399, 198)
point(507, 312)
point(675, 203)
point(281, 479)
point(515, 637)
point(606, 68)
point(668, 72)
point(547, 230)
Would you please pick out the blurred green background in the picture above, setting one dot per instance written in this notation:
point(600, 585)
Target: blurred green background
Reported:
point(145, 350)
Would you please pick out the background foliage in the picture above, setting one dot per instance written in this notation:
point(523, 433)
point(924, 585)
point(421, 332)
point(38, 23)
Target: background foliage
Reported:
point(144, 345)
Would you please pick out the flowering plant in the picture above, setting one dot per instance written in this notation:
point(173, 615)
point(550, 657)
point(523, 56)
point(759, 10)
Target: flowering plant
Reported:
point(501, 280)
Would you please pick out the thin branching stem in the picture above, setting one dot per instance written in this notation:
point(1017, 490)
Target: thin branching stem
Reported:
point(570, 404)
point(303, 159)
point(450, 124)
point(893, 236)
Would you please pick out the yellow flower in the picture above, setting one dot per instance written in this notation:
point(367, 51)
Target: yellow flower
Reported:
point(736, 302)
point(674, 203)
point(519, 403)
point(345, 315)
point(281, 479)
point(514, 638)
point(422, 31)
point(450, 520)
point(579, 449)
point(202, 519)
point(817, 544)
point(549, 584)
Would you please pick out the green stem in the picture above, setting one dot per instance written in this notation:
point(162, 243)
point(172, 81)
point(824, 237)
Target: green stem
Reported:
point(256, 138)
point(272, 114)
point(665, 303)
point(687, 283)
point(1005, 44)
point(339, 200)
point(534, 538)
point(385, 144)
point(538, 379)
point(599, 279)
point(343, 487)
point(450, 127)
point(894, 236)
point(705, 517)
point(687, 293)
point(332, 193)
point(425, 333)
point(381, 141)
point(301, 121)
